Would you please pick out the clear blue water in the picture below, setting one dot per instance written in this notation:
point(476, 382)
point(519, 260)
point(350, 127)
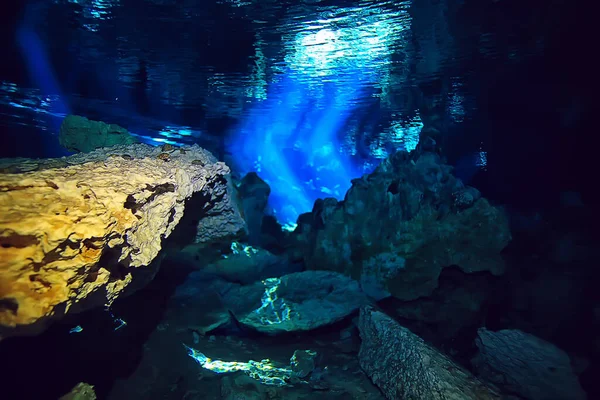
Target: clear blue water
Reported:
point(309, 94)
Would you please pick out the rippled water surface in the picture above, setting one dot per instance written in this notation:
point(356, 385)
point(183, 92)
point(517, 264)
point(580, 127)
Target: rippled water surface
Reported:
point(291, 89)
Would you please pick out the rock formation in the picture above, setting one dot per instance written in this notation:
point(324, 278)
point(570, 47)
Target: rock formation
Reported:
point(299, 301)
point(81, 134)
point(405, 367)
point(526, 365)
point(82, 225)
point(398, 227)
point(254, 193)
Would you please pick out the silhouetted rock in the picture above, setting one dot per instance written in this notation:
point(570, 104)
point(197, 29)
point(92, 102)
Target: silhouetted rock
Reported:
point(398, 227)
point(254, 193)
point(83, 135)
point(524, 364)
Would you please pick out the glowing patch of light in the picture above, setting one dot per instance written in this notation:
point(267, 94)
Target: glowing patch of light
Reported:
point(353, 37)
point(97, 10)
point(482, 158)
point(456, 107)
point(39, 66)
point(405, 136)
point(293, 137)
point(273, 309)
point(290, 227)
point(238, 248)
point(263, 371)
point(154, 140)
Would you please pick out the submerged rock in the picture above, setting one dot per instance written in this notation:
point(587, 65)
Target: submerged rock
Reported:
point(250, 265)
point(254, 193)
point(527, 365)
point(81, 391)
point(303, 363)
point(222, 217)
point(84, 135)
point(398, 227)
point(296, 302)
point(84, 224)
point(405, 367)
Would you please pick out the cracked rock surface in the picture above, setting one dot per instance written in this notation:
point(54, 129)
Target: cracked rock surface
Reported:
point(80, 225)
point(405, 367)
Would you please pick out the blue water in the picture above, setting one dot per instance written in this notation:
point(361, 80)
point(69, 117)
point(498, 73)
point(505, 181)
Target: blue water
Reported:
point(308, 94)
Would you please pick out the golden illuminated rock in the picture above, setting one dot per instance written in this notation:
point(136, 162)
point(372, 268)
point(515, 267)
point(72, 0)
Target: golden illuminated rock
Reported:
point(79, 225)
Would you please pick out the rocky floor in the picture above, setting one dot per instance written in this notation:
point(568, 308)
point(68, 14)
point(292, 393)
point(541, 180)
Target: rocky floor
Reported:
point(167, 372)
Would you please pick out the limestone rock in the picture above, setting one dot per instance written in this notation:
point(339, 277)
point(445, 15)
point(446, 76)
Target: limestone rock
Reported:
point(524, 364)
point(222, 216)
point(295, 302)
point(398, 227)
point(81, 225)
point(405, 367)
point(81, 134)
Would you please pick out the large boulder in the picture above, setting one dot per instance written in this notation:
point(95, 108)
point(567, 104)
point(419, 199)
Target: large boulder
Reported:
point(83, 225)
point(80, 134)
point(299, 301)
point(398, 227)
point(405, 367)
point(526, 365)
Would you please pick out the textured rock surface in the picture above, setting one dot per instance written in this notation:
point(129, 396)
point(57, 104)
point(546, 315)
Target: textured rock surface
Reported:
point(80, 225)
point(81, 134)
point(222, 216)
point(526, 365)
point(246, 265)
point(255, 195)
point(405, 367)
point(296, 302)
point(401, 225)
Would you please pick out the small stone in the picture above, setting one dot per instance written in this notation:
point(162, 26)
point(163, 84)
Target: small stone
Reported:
point(163, 156)
point(303, 363)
